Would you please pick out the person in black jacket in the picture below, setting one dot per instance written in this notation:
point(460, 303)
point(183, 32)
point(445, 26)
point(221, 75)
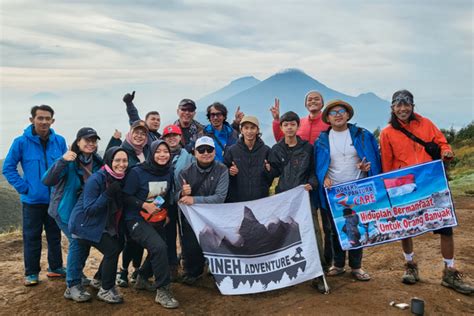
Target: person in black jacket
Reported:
point(248, 165)
point(292, 160)
point(95, 219)
point(152, 118)
point(148, 193)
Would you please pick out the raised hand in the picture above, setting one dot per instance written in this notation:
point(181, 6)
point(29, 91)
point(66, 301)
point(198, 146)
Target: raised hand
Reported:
point(275, 109)
point(238, 115)
point(128, 98)
point(186, 191)
point(233, 170)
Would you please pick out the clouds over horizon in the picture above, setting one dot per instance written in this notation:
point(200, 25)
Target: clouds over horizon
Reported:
point(353, 47)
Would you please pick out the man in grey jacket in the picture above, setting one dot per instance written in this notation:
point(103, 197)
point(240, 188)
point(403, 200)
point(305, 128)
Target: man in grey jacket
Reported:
point(205, 181)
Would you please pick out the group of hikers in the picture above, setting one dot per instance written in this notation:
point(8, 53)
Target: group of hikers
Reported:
point(128, 200)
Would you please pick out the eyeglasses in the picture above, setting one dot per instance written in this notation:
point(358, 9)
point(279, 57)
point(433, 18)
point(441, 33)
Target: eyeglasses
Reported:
point(187, 110)
point(402, 99)
point(216, 114)
point(334, 112)
point(203, 149)
point(139, 133)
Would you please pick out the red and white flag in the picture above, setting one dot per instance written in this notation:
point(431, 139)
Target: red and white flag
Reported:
point(400, 185)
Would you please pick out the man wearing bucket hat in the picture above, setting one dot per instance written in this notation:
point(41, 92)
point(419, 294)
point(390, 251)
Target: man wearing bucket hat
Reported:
point(400, 150)
point(248, 165)
point(343, 153)
point(205, 181)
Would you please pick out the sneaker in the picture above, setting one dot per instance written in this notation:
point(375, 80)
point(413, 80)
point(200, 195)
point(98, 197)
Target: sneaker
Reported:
point(189, 280)
point(122, 278)
point(165, 297)
point(452, 278)
point(133, 278)
point(31, 280)
point(111, 296)
point(56, 273)
point(174, 273)
point(96, 284)
point(411, 273)
point(318, 284)
point(77, 293)
point(85, 281)
point(142, 284)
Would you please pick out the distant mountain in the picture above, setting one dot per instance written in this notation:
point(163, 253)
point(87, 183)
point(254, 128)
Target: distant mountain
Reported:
point(291, 86)
point(236, 86)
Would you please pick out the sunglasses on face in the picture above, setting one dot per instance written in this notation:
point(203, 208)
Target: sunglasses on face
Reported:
point(216, 114)
point(203, 149)
point(334, 112)
point(187, 110)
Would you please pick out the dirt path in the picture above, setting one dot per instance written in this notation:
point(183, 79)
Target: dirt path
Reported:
point(385, 263)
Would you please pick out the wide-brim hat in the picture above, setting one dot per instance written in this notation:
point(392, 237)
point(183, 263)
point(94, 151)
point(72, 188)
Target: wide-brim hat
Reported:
point(332, 104)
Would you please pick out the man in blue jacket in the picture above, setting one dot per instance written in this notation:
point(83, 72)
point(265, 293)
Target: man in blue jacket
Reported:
point(36, 150)
point(343, 153)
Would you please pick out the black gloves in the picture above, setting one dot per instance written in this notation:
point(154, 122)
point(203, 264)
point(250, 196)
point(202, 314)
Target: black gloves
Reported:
point(128, 98)
point(113, 190)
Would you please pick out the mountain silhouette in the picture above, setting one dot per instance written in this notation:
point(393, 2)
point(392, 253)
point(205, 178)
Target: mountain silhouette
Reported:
point(291, 86)
point(236, 86)
point(254, 237)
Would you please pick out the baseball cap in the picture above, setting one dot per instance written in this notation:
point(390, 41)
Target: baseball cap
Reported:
point(187, 103)
point(139, 124)
point(172, 129)
point(87, 132)
point(204, 141)
point(249, 119)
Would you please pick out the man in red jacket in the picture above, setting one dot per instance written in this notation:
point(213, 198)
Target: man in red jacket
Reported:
point(310, 126)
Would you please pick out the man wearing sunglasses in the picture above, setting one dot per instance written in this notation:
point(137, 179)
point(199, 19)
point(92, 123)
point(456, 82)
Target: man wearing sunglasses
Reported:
point(399, 151)
point(220, 130)
point(205, 181)
point(343, 153)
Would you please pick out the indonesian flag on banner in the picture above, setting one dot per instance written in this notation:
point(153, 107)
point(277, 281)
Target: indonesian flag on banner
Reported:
point(400, 185)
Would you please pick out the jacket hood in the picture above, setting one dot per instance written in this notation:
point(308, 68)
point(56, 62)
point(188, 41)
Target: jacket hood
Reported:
point(28, 132)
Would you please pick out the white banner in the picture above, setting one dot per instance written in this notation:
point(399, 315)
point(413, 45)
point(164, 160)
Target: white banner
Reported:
point(260, 245)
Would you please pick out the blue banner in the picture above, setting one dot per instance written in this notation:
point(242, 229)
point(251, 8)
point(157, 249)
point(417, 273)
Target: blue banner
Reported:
point(392, 206)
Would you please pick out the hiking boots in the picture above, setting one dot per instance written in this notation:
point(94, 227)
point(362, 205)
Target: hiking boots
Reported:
point(189, 280)
point(411, 273)
point(77, 293)
point(31, 280)
point(122, 278)
point(165, 297)
point(111, 296)
point(142, 284)
point(452, 278)
point(96, 284)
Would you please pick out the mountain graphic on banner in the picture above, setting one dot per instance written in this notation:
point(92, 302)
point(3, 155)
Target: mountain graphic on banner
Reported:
point(254, 237)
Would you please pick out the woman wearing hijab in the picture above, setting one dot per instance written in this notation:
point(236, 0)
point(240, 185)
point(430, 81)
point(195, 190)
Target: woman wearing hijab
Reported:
point(95, 218)
point(135, 144)
point(67, 176)
point(147, 190)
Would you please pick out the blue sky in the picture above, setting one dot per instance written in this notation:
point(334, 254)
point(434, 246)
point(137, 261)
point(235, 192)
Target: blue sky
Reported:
point(191, 48)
